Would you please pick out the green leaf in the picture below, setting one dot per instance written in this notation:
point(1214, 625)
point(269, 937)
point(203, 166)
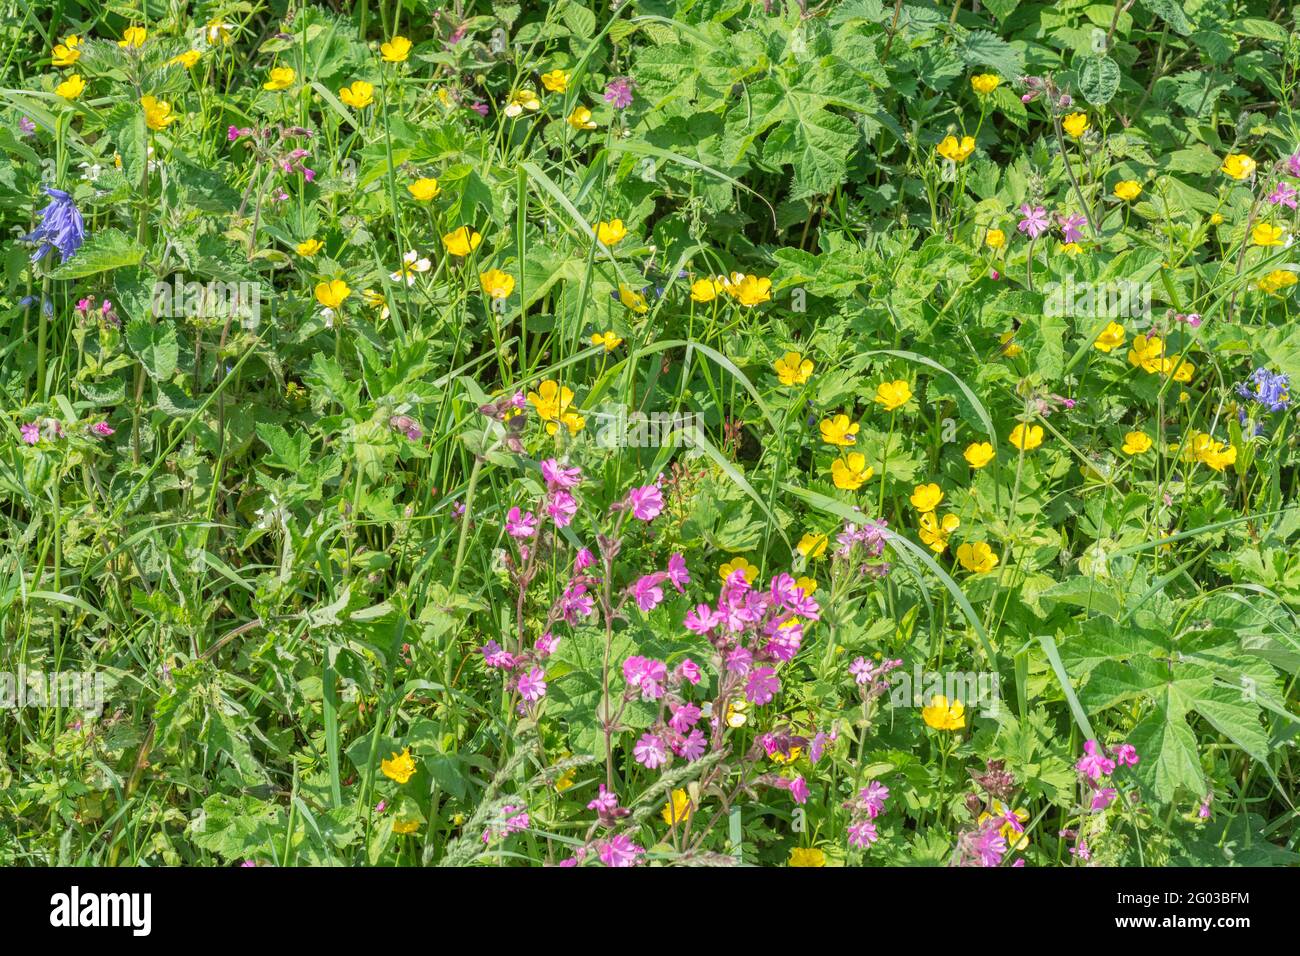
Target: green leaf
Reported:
point(106, 250)
point(1167, 748)
point(155, 346)
point(1099, 79)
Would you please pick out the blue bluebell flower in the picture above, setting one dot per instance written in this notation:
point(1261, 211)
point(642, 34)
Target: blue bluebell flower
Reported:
point(1270, 390)
point(61, 227)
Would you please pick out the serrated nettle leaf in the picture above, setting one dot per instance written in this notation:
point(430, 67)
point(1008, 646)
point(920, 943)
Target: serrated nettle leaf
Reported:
point(105, 251)
point(155, 345)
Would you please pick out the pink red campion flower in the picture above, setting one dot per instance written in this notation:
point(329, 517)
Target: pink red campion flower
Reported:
point(646, 502)
point(31, 433)
point(1034, 223)
point(583, 560)
point(688, 671)
point(863, 834)
point(546, 644)
point(620, 851)
point(102, 429)
point(494, 656)
point(521, 524)
point(1103, 798)
point(651, 752)
point(692, 746)
point(872, 798)
point(1094, 764)
point(702, 620)
point(560, 478)
point(561, 507)
point(762, 686)
point(684, 717)
point(646, 591)
point(677, 572)
point(532, 685)
point(605, 801)
point(646, 675)
point(1126, 755)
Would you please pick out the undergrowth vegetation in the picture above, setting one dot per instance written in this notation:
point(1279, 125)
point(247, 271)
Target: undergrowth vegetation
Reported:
point(648, 433)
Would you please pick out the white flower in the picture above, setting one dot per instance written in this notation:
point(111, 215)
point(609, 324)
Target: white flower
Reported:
point(412, 263)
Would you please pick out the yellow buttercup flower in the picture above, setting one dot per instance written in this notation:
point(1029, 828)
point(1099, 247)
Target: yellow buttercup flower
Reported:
point(424, 189)
point(751, 290)
point(1026, 437)
point(281, 78)
point(331, 294)
point(935, 532)
point(1203, 448)
point(838, 430)
point(727, 569)
point(892, 395)
point(1075, 124)
point(607, 339)
point(157, 113)
point(995, 239)
point(462, 241)
point(556, 81)
point(1238, 166)
point(1110, 338)
point(942, 715)
point(581, 119)
point(1276, 281)
point(611, 233)
point(1147, 352)
point(958, 151)
point(926, 497)
point(395, 50)
point(1180, 372)
point(67, 52)
point(565, 780)
point(521, 100)
point(633, 300)
point(310, 247)
point(1128, 190)
point(1010, 347)
point(985, 83)
point(705, 290)
point(978, 558)
point(405, 827)
point(71, 88)
point(186, 59)
point(812, 544)
point(736, 716)
point(1135, 443)
point(1266, 235)
point(497, 284)
point(806, 856)
point(359, 95)
point(792, 368)
point(399, 767)
point(678, 808)
point(851, 472)
point(807, 585)
point(133, 38)
point(377, 301)
point(553, 402)
point(978, 454)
